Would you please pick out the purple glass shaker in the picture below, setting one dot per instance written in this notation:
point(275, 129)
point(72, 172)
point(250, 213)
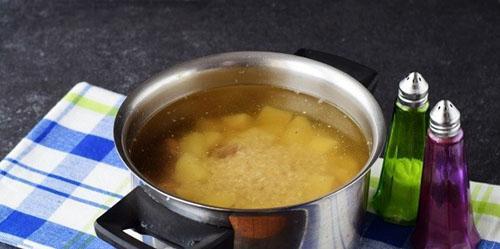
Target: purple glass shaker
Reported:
point(445, 213)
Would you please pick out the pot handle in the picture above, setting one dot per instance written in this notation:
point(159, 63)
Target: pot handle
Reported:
point(362, 73)
point(141, 213)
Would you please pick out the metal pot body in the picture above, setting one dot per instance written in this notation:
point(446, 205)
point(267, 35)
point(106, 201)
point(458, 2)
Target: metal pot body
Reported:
point(332, 221)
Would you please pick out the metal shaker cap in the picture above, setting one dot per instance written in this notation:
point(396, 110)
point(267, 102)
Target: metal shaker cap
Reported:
point(445, 119)
point(413, 90)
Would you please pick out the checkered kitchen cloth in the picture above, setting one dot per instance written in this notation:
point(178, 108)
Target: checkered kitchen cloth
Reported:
point(66, 172)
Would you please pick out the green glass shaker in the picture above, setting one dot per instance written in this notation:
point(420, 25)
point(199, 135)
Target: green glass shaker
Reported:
point(397, 195)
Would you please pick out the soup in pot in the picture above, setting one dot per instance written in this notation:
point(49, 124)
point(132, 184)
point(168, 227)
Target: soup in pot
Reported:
point(250, 146)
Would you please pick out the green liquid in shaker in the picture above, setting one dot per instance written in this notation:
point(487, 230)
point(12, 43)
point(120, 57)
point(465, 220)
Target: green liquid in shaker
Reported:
point(397, 195)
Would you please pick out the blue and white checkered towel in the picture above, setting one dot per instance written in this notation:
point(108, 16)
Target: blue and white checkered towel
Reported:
point(66, 172)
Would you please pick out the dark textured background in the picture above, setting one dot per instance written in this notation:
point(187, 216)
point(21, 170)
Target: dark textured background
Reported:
point(48, 46)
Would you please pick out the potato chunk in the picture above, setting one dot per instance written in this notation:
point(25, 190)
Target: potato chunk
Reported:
point(190, 168)
point(212, 138)
point(193, 143)
point(271, 115)
point(238, 122)
point(322, 145)
point(299, 131)
point(198, 143)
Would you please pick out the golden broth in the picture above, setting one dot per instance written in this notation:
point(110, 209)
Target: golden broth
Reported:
point(251, 146)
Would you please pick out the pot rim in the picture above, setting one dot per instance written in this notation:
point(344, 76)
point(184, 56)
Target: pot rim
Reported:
point(379, 139)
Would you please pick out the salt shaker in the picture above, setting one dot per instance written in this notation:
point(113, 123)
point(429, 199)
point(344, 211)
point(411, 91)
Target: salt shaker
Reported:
point(396, 198)
point(445, 213)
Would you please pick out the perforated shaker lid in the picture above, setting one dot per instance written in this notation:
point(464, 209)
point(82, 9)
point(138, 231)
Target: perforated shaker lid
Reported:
point(445, 119)
point(413, 90)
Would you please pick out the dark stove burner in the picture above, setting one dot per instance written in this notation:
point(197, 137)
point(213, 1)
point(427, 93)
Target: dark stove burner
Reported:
point(141, 213)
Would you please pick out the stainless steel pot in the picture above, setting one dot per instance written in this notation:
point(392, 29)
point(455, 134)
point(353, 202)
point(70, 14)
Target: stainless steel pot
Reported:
point(332, 221)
